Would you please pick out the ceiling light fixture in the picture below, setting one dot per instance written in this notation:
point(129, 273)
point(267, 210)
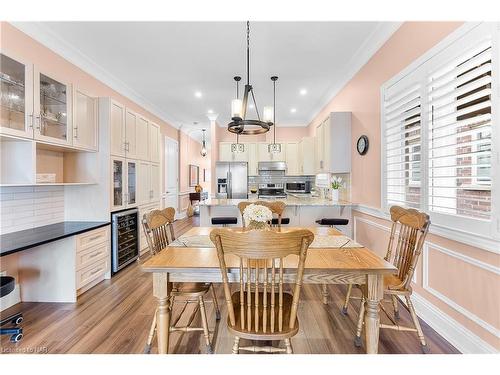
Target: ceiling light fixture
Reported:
point(198, 94)
point(293, 110)
point(203, 151)
point(303, 91)
point(240, 124)
point(210, 111)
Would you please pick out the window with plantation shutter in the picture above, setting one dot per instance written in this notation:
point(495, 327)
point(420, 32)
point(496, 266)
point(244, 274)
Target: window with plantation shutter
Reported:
point(440, 134)
point(459, 133)
point(402, 114)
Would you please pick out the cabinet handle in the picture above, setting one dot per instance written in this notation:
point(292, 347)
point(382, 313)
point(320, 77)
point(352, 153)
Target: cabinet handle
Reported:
point(75, 134)
point(94, 238)
point(30, 122)
point(96, 271)
point(38, 123)
point(95, 254)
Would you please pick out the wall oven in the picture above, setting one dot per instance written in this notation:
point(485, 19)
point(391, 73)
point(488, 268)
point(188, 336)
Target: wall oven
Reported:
point(124, 238)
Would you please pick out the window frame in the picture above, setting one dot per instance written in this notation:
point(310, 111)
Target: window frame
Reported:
point(449, 48)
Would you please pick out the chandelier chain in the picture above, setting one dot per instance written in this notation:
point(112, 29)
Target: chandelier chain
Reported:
point(248, 52)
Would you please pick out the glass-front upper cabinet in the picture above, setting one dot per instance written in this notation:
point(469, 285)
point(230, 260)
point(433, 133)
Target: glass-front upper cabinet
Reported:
point(118, 184)
point(53, 120)
point(131, 183)
point(16, 96)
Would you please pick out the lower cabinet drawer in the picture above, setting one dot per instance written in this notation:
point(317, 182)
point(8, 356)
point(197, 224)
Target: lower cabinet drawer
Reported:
point(88, 274)
point(87, 257)
point(92, 238)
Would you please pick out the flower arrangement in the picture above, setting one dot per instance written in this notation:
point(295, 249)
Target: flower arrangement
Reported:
point(337, 183)
point(257, 216)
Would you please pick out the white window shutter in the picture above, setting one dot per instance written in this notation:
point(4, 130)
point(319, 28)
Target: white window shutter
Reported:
point(402, 114)
point(459, 134)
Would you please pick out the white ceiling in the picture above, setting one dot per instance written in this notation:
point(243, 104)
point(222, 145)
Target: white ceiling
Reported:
point(162, 64)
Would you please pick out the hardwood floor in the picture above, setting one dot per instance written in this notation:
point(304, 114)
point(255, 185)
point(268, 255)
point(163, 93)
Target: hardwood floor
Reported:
point(115, 316)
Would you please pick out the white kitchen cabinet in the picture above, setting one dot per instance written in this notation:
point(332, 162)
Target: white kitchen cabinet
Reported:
point(155, 183)
point(16, 99)
point(225, 153)
point(144, 182)
point(292, 158)
point(154, 143)
point(253, 159)
point(333, 144)
point(142, 138)
point(52, 108)
point(148, 189)
point(131, 134)
point(117, 129)
point(306, 152)
point(84, 121)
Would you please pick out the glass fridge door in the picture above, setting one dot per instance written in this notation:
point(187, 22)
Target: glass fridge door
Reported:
point(16, 108)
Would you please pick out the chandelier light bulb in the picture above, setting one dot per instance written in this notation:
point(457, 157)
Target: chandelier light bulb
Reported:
point(236, 108)
point(268, 114)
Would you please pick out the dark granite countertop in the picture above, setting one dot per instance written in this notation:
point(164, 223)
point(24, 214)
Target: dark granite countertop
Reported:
point(17, 241)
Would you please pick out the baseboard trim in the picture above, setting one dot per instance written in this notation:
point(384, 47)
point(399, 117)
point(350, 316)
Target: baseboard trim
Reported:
point(456, 334)
point(11, 299)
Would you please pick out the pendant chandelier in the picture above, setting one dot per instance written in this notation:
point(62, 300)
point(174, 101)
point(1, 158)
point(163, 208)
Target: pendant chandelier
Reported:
point(240, 124)
point(203, 151)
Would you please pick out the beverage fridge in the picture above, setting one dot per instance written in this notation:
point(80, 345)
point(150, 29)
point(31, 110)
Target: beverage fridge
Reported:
point(124, 238)
point(232, 180)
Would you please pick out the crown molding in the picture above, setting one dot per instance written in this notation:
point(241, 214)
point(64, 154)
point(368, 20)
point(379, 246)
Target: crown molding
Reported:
point(363, 54)
point(44, 35)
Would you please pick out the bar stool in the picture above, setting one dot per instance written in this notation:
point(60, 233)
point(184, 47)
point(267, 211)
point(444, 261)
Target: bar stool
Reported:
point(333, 222)
point(224, 221)
point(7, 285)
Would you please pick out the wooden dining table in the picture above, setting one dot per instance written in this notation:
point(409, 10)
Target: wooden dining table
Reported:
point(329, 265)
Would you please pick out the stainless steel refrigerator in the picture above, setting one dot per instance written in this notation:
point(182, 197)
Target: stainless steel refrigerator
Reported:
point(232, 179)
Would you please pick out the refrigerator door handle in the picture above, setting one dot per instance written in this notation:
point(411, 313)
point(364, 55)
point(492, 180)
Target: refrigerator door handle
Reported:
point(229, 186)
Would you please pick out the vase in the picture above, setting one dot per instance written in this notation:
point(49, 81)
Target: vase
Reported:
point(335, 195)
point(259, 225)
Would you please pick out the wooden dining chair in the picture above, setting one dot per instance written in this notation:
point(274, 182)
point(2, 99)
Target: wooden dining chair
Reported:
point(276, 207)
point(408, 232)
point(158, 226)
point(260, 310)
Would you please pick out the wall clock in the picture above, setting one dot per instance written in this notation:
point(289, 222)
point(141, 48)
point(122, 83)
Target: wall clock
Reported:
point(362, 145)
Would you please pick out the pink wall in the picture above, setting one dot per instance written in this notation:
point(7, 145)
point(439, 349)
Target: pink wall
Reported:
point(283, 133)
point(361, 96)
point(190, 154)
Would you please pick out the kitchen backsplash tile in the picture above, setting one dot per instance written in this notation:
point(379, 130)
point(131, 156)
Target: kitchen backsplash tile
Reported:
point(28, 207)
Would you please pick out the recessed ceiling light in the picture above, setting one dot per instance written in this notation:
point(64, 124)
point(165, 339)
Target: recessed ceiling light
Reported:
point(251, 106)
point(210, 111)
point(293, 110)
point(303, 91)
point(198, 94)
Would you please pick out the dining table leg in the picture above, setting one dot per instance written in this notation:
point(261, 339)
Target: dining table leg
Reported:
point(375, 287)
point(161, 290)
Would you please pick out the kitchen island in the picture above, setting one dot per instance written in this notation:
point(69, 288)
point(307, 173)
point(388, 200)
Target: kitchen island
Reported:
point(303, 211)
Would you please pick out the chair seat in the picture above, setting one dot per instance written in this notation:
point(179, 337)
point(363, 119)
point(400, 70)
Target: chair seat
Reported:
point(284, 221)
point(391, 281)
point(224, 220)
point(259, 334)
point(190, 289)
point(8, 284)
point(332, 221)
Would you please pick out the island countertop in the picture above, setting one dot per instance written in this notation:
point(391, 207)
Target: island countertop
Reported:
point(290, 200)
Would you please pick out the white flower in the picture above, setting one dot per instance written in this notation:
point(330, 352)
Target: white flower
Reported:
point(255, 212)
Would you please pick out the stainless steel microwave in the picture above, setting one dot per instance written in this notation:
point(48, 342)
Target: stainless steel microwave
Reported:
point(298, 187)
